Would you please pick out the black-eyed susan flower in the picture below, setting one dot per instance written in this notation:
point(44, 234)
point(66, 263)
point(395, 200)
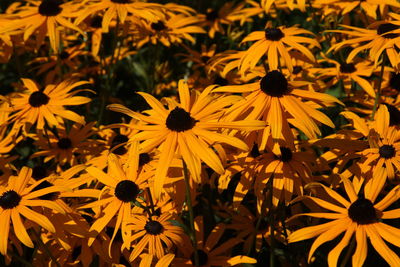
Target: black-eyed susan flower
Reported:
point(62, 65)
point(214, 19)
point(210, 251)
point(356, 71)
point(43, 18)
point(187, 128)
point(173, 30)
point(359, 216)
point(380, 37)
point(37, 106)
point(16, 199)
point(292, 4)
point(370, 7)
point(120, 10)
point(156, 233)
point(276, 100)
point(384, 151)
point(123, 187)
point(274, 42)
point(71, 147)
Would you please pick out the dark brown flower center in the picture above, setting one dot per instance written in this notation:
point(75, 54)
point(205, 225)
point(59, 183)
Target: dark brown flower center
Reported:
point(50, 8)
point(64, 143)
point(394, 81)
point(221, 81)
point(255, 152)
point(394, 114)
point(273, 34)
point(96, 22)
point(388, 27)
point(387, 151)
point(286, 154)
point(179, 120)
point(119, 139)
point(121, 1)
point(362, 211)
point(212, 15)
point(347, 68)
point(144, 158)
point(158, 26)
point(38, 98)
point(39, 172)
point(274, 84)
point(49, 196)
point(297, 69)
point(153, 227)
point(10, 199)
point(63, 55)
point(203, 257)
point(126, 191)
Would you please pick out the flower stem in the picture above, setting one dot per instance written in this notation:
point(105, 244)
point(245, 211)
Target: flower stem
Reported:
point(349, 252)
point(21, 259)
point(378, 91)
point(151, 200)
point(191, 213)
point(271, 220)
point(258, 224)
point(45, 248)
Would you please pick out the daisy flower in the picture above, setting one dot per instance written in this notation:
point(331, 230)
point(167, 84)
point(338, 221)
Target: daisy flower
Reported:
point(36, 106)
point(267, 4)
point(120, 10)
point(70, 147)
point(349, 72)
point(380, 37)
point(15, 200)
point(189, 128)
point(122, 187)
point(276, 100)
point(212, 252)
point(173, 30)
point(370, 7)
point(360, 215)
point(44, 17)
point(275, 42)
point(214, 19)
point(156, 233)
point(384, 151)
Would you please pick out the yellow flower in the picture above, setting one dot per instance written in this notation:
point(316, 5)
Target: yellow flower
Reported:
point(121, 10)
point(156, 233)
point(349, 72)
point(123, 185)
point(274, 42)
point(173, 30)
point(44, 17)
point(71, 147)
point(358, 217)
point(15, 200)
point(212, 252)
point(40, 106)
point(187, 128)
point(276, 100)
point(383, 37)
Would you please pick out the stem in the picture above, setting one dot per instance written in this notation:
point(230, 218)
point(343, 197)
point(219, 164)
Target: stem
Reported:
point(21, 259)
point(191, 213)
point(349, 252)
point(106, 89)
point(263, 206)
point(46, 249)
point(272, 221)
point(378, 91)
point(151, 200)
